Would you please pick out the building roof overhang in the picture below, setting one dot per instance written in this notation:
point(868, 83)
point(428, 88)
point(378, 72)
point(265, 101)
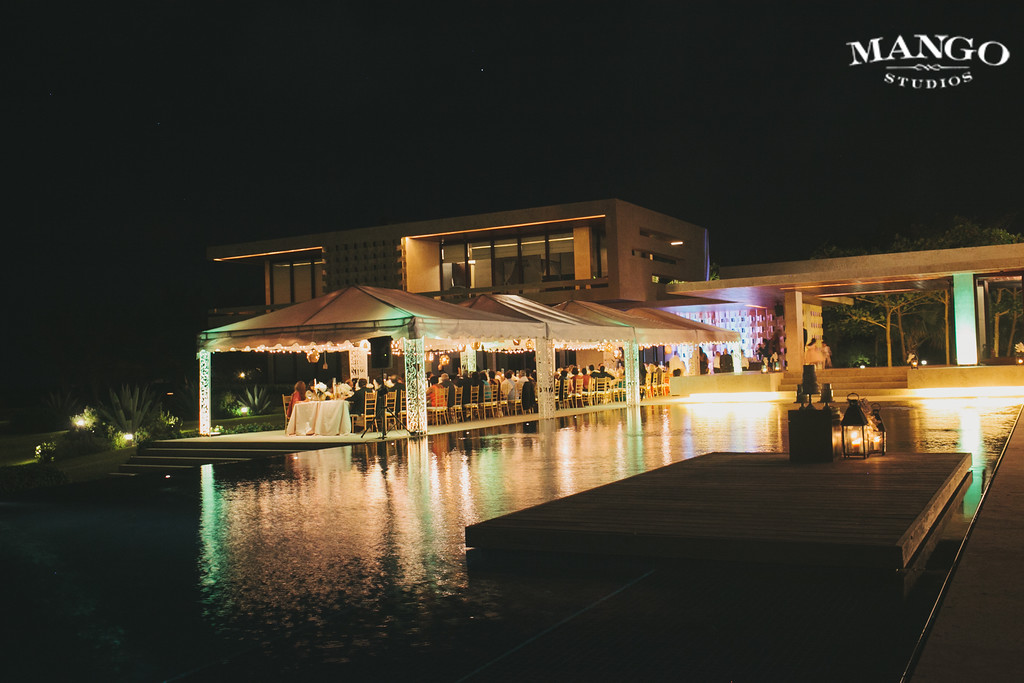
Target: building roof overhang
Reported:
point(840, 279)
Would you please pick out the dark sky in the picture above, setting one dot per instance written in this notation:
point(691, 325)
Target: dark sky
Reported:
point(143, 134)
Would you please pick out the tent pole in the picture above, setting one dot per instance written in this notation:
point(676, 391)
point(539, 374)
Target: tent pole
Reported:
point(204, 392)
point(545, 355)
point(415, 385)
point(631, 350)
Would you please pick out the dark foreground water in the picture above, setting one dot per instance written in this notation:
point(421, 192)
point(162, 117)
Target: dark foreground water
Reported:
point(349, 564)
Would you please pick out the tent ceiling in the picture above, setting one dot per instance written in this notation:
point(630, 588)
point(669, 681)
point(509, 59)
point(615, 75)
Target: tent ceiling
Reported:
point(648, 332)
point(561, 326)
point(346, 317)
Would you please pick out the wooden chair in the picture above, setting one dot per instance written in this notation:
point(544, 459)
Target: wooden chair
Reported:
point(286, 399)
point(473, 407)
point(514, 406)
point(402, 418)
point(391, 409)
point(456, 409)
point(369, 412)
point(599, 390)
point(439, 412)
point(491, 404)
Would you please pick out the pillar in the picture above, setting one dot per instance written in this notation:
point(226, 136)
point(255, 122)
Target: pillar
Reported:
point(415, 385)
point(468, 360)
point(357, 365)
point(793, 311)
point(964, 319)
point(204, 393)
point(631, 351)
point(545, 355)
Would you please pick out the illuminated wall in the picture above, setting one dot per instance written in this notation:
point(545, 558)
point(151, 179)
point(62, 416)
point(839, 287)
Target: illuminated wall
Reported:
point(964, 319)
point(753, 324)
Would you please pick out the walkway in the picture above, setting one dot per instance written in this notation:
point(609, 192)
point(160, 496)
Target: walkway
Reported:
point(978, 634)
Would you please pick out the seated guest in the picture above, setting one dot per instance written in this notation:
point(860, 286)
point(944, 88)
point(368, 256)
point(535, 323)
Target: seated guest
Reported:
point(435, 394)
point(602, 374)
point(449, 386)
point(529, 395)
point(298, 396)
point(357, 401)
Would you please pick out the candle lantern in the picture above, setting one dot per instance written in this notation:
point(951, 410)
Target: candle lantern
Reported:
point(855, 429)
point(878, 431)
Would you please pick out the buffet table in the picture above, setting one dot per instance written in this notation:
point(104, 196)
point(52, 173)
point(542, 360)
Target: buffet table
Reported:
point(319, 418)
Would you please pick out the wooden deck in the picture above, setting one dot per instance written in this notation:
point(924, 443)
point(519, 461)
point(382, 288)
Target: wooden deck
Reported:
point(749, 508)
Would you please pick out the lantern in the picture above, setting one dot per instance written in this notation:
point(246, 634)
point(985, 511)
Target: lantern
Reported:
point(878, 431)
point(855, 429)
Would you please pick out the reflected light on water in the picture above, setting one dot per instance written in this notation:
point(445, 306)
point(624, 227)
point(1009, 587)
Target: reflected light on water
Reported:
point(286, 542)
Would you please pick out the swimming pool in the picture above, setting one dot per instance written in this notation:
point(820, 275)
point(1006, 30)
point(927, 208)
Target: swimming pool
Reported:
point(351, 559)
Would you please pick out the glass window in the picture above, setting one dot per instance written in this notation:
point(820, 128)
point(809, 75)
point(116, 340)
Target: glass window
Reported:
point(480, 264)
point(561, 263)
point(453, 266)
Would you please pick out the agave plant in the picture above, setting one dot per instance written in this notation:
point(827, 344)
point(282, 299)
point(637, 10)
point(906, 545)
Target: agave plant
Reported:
point(60, 406)
point(130, 409)
point(257, 400)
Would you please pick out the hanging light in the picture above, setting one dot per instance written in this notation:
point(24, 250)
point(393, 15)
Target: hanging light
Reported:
point(855, 429)
point(312, 355)
point(878, 432)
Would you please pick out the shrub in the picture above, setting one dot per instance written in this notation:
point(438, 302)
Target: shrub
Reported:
point(15, 478)
point(257, 400)
point(80, 441)
point(59, 406)
point(46, 451)
point(162, 426)
point(129, 410)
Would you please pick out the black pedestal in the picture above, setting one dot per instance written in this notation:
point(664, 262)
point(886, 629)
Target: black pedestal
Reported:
point(810, 435)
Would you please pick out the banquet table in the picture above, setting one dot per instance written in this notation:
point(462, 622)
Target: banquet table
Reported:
point(319, 418)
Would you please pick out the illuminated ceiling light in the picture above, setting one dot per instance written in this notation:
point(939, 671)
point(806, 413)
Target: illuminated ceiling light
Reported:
point(677, 243)
point(268, 253)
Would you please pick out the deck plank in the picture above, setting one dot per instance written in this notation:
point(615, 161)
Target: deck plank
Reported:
point(756, 507)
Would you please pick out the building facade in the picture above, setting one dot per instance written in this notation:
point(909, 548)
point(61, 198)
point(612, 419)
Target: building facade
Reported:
point(607, 250)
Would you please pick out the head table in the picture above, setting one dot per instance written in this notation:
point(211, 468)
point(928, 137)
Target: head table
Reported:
point(319, 418)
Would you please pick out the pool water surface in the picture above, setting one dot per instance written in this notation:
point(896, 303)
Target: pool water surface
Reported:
point(350, 561)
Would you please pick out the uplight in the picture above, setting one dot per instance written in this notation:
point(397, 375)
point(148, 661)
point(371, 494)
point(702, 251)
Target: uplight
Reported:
point(80, 422)
point(129, 437)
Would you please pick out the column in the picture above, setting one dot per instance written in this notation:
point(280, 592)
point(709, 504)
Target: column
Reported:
point(794, 343)
point(964, 320)
point(468, 360)
point(357, 363)
point(415, 385)
point(204, 393)
point(631, 351)
point(545, 355)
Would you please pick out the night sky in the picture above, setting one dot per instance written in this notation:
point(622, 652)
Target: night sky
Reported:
point(145, 132)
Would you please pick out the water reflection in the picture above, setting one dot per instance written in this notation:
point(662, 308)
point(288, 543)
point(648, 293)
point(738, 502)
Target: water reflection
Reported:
point(367, 529)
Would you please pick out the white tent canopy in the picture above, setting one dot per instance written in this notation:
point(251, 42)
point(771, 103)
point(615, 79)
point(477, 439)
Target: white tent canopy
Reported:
point(340, 320)
point(560, 325)
point(648, 332)
point(704, 333)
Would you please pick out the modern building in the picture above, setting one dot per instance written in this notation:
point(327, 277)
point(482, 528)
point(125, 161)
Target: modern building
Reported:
point(607, 250)
point(622, 255)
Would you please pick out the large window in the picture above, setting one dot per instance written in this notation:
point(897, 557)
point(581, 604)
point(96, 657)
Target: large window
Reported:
point(295, 280)
point(517, 259)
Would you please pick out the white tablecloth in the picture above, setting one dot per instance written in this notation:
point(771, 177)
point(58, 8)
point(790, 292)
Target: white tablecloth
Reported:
point(319, 418)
